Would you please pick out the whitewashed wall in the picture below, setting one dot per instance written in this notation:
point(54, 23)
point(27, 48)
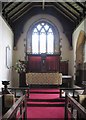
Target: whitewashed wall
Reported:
point(82, 26)
point(6, 39)
point(19, 52)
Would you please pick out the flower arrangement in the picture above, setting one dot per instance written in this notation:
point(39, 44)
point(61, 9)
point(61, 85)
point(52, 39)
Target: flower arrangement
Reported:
point(20, 66)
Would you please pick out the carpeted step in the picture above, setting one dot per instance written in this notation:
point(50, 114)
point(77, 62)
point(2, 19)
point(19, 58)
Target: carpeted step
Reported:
point(45, 91)
point(47, 100)
point(43, 96)
point(42, 92)
point(45, 113)
point(46, 105)
point(45, 118)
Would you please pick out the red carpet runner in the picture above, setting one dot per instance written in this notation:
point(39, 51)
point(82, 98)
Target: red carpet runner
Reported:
point(45, 104)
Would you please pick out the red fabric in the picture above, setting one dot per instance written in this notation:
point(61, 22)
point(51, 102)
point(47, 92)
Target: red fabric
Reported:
point(51, 63)
point(44, 96)
point(34, 63)
point(45, 90)
point(44, 112)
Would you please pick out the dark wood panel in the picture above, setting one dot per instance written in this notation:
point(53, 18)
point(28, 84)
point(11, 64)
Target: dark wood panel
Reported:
point(34, 63)
point(64, 67)
point(80, 74)
point(43, 63)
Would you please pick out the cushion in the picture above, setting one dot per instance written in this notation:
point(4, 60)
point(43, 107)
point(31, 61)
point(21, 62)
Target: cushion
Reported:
point(9, 100)
point(82, 100)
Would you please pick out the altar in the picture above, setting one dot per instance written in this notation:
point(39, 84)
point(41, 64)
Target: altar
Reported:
point(44, 78)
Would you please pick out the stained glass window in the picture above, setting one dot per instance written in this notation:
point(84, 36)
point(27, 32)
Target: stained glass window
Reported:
point(42, 38)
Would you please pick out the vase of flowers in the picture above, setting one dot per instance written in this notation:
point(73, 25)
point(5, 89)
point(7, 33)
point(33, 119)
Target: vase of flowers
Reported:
point(20, 68)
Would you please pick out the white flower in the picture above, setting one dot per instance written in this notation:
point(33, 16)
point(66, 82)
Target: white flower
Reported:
point(20, 66)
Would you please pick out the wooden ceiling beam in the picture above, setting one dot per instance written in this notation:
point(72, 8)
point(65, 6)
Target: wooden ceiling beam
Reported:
point(7, 5)
point(20, 11)
point(79, 4)
point(50, 5)
point(80, 16)
point(17, 13)
point(25, 11)
point(69, 11)
point(13, 8)
point(66, 14)
point(74, 8)
point(63, 13)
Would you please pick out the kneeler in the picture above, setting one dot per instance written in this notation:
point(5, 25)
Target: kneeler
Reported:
point(82, 100)
point(7, 102)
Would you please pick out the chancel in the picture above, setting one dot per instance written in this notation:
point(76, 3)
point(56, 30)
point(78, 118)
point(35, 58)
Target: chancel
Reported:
point(43, 59)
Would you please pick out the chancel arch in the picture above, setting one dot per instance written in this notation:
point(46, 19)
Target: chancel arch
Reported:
point(80, 55)
point(80, 48)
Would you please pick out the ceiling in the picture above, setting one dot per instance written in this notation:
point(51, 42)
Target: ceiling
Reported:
point(74, 12)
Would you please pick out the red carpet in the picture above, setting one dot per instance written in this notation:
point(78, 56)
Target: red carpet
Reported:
point(44, 96)
point(45, 90)
point(46, 112)
point(43, 105)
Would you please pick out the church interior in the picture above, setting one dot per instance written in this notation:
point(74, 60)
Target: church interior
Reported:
point(43, 59)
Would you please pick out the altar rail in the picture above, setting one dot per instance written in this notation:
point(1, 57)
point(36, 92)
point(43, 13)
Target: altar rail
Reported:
point(19, 105)
point(44, 78)
point(17, 111)
point(74, 109)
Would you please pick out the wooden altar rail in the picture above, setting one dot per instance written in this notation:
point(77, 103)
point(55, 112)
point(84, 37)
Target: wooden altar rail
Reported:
point(24, 90)
point(20, 106)
point(74, 109)
point(18, 92)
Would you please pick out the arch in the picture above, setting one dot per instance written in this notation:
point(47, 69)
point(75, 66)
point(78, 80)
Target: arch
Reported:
point(55, 31)
point(80, 47)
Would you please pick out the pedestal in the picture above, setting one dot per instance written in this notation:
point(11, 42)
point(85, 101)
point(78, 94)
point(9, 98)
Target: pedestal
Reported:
point(22, 79)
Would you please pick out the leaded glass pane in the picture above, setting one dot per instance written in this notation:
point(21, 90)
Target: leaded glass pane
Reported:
point(43, 43)
point(46, 27)
point(50, 43)
point(35, 43)
point(39, 27)
point(42, 24)
point(50, 30)
point(35, 30)
point(42, 31)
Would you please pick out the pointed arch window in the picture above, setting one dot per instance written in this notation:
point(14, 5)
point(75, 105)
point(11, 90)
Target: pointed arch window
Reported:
point(42, 38)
